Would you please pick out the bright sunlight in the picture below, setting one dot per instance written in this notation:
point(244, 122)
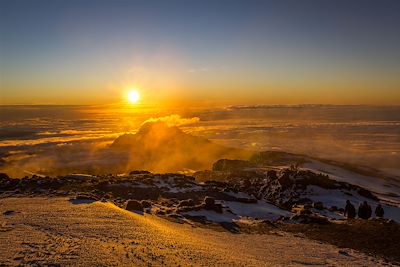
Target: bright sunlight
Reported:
point(133, 96)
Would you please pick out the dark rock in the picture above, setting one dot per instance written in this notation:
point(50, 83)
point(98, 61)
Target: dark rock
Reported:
point(231, 165)
point(218, 208)
point(133, 205)
point(310, 219)
point(9, 213)
point(86, 196)
point(209, 203)
point(366, 193)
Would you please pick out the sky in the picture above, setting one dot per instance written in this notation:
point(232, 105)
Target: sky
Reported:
point(200, 52)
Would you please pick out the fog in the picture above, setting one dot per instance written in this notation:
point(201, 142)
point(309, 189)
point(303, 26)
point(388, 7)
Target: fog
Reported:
point(59, 140)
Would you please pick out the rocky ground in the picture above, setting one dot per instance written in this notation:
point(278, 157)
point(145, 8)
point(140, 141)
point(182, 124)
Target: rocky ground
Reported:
point(234, 198)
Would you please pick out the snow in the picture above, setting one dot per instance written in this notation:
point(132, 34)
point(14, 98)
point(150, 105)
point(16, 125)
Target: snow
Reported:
point(338, 198)
point(169, 184)
point(214, 216)
point(238, 195)
point(261, 210)
point(385, 187)
point(80, 176)
point(45, 232)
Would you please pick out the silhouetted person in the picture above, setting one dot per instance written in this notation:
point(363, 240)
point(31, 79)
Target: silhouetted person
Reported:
point(379, 212)
point(349, 210)
point(369, 210)
point(364, 211)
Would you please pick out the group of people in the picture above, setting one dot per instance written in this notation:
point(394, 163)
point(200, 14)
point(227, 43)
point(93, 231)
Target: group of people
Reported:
point(364, 211)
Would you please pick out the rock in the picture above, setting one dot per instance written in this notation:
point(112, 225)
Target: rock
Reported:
point(344, 253)
point(185, 203)
point(86, 196)
point(318, 205)
point(218, 208)
point(366, 193)
point(231, 165)
point(307, 219)
point(9, 213)
point(133, 205)
point(209, 203)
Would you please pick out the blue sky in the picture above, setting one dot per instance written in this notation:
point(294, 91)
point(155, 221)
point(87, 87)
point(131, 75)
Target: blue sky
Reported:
point(235, 51)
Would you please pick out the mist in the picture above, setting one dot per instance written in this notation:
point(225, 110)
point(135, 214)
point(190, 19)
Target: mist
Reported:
point(51, 141)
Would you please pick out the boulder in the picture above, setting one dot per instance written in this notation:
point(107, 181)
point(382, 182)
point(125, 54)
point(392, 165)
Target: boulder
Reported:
point(209, 203)
point(218, 208)
point(133, 205)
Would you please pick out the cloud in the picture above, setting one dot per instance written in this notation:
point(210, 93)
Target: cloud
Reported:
point(174, 120)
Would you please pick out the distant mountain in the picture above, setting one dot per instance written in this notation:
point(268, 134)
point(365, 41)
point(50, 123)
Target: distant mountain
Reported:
point(159, 147)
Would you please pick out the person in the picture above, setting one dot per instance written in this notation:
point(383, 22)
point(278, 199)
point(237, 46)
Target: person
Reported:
point(368, 210)
point(364, 211)
point(349, 210)
point(379, 212)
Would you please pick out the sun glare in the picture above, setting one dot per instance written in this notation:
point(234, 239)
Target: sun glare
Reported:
point(133, 96)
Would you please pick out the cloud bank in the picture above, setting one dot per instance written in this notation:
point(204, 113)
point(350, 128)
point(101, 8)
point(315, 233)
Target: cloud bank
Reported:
point(174, 120)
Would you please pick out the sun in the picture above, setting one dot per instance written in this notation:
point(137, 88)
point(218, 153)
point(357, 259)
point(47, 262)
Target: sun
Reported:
point(133, 96)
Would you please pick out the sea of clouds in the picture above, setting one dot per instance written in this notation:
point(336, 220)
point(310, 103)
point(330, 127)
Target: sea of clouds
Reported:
point(60, 139)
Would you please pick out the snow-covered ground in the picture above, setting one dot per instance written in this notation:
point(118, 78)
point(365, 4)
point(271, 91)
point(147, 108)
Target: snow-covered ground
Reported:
point(53, 231)
point(386, 188)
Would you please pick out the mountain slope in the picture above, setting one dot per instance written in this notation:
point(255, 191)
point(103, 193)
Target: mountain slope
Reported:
point(55, 232)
